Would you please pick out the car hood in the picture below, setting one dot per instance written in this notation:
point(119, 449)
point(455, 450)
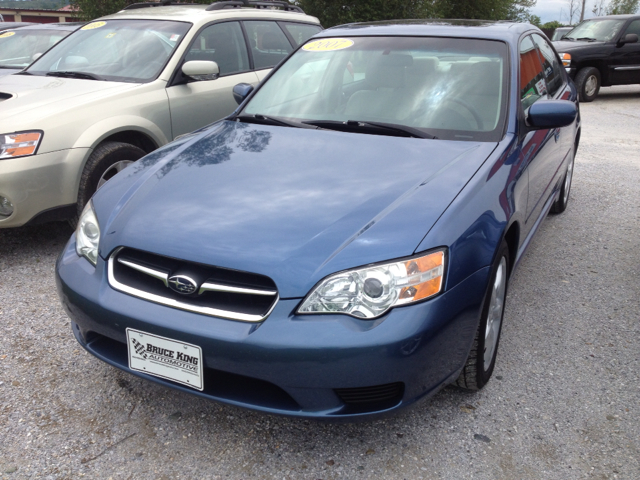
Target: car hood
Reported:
point(8, 71)
point(292, 204)
point(34, 98)
point(568, 45)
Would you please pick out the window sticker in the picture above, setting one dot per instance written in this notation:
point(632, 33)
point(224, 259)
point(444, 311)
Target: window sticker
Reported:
point(328, 45)
point(7, 34)
point(111, 35)
point(174, 37)
point(541, 87)
point(94, 25)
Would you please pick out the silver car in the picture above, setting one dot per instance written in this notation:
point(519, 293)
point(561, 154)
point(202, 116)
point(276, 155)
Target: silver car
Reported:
point(124, 85)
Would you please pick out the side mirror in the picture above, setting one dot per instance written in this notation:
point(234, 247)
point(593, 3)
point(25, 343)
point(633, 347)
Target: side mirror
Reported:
point(628, 38)
point(201, 70)
point(242, 91)
point(552, 114)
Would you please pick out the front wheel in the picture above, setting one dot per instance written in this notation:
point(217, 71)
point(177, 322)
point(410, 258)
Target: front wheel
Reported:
point(482, 357)
point(108, 159)
point(588, 83)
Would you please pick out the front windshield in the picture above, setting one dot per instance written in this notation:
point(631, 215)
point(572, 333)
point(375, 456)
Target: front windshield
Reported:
point(598, 30)
point(19, 48)
point(447, 87)
point(115, 50)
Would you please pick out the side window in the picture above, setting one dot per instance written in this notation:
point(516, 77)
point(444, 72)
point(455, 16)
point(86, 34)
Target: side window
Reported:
point(634, 27)
point(301, 32)
point(532, 84)
point(552, 67)
point(268, 43)
point(224, 44)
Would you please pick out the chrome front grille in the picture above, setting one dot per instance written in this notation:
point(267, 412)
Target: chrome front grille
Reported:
point(213, 291)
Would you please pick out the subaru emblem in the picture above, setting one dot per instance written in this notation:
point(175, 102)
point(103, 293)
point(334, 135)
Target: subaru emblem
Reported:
point(182, 284)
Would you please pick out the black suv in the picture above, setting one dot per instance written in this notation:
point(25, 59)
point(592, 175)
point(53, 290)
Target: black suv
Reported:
point(602, 51)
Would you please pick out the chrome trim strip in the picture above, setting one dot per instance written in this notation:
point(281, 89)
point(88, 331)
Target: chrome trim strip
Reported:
point(212, 312)
point(215, 287)
point(149, 271)
point(627, 68)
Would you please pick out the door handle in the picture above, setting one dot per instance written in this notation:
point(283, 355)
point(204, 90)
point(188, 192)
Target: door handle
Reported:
point(556, 134)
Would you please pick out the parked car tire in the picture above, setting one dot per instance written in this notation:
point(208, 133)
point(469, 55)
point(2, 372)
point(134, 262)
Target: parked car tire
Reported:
point(107, 160)
point(588, 83)
point(482, 358)
point(560, 205)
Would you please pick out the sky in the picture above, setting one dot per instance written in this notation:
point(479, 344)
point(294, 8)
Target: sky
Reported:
point(549, 10)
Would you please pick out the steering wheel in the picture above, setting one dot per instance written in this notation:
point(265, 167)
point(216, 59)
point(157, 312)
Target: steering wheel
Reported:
point(474, 113)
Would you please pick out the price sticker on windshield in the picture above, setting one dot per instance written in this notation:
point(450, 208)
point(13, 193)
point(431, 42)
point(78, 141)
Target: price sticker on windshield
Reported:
point(328, 45)
point(7, 34)
point(94, 25)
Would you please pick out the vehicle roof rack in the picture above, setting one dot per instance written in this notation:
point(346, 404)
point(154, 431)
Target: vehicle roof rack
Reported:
point(264, 4)
point(163, 3)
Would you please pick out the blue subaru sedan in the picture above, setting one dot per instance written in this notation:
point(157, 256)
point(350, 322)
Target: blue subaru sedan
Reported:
point(340, 246)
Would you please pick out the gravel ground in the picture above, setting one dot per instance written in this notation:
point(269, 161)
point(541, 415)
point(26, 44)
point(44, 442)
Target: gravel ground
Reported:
point(564, 402)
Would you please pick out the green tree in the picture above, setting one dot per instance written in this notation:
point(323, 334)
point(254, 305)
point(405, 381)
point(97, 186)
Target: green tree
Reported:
point(552, 25)
point(622, 7)
point(486, 9)
point(335, 12)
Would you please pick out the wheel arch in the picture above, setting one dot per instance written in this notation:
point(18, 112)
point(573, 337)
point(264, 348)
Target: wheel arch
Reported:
point(512, 237)
point(598, 65)
point(133, 130)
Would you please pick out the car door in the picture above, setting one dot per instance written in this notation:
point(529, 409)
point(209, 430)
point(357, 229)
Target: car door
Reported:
point(538, 147)
point(625, 59)
point(195, 104)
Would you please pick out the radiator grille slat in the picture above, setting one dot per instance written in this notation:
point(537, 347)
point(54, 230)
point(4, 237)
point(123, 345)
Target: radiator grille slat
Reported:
point(213, 291)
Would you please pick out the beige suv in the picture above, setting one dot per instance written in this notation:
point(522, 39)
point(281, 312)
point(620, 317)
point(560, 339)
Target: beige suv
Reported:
point(124, 85)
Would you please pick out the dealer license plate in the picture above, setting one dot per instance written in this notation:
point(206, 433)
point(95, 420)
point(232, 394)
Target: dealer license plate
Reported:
point(165, 358)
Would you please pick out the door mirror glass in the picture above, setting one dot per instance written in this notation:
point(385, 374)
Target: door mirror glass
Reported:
point(242, 91)
point(201, 70)
point(552, 114)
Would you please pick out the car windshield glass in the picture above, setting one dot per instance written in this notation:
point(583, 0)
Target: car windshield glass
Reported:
point(19, 48)
point(600, 30)
point(559, 33)
point(115, 50)
point(445, 87)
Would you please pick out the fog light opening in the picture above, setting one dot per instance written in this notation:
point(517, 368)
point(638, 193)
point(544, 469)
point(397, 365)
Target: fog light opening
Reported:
point(6, 207)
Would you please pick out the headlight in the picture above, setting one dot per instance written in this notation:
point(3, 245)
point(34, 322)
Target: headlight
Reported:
point(20, 144)
point(371, 291)
point(88, 234)
point(566, 59)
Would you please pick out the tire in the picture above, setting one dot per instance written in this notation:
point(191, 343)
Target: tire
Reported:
point(480, 363)
point(588, 83)
point(106, 160)
point(560, 205)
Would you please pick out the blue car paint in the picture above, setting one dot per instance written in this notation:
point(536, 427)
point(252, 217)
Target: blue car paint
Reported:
point(342, 216)
point(470, 197)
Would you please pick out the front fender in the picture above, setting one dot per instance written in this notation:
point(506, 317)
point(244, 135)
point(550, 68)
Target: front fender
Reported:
point(98, 132)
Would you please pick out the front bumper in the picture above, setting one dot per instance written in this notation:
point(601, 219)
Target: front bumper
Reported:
point(40, 182)
point(289, 364)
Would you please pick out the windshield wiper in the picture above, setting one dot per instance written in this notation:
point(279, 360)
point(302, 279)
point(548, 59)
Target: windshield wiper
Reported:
point(67, 74)
point(268, 120)
point(588, 39)
point(350, 125)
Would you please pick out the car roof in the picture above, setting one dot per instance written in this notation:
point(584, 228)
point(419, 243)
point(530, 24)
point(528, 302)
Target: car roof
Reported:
point(198, 14)
point(53, 26)
point(491, 30)
point(12, 25)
